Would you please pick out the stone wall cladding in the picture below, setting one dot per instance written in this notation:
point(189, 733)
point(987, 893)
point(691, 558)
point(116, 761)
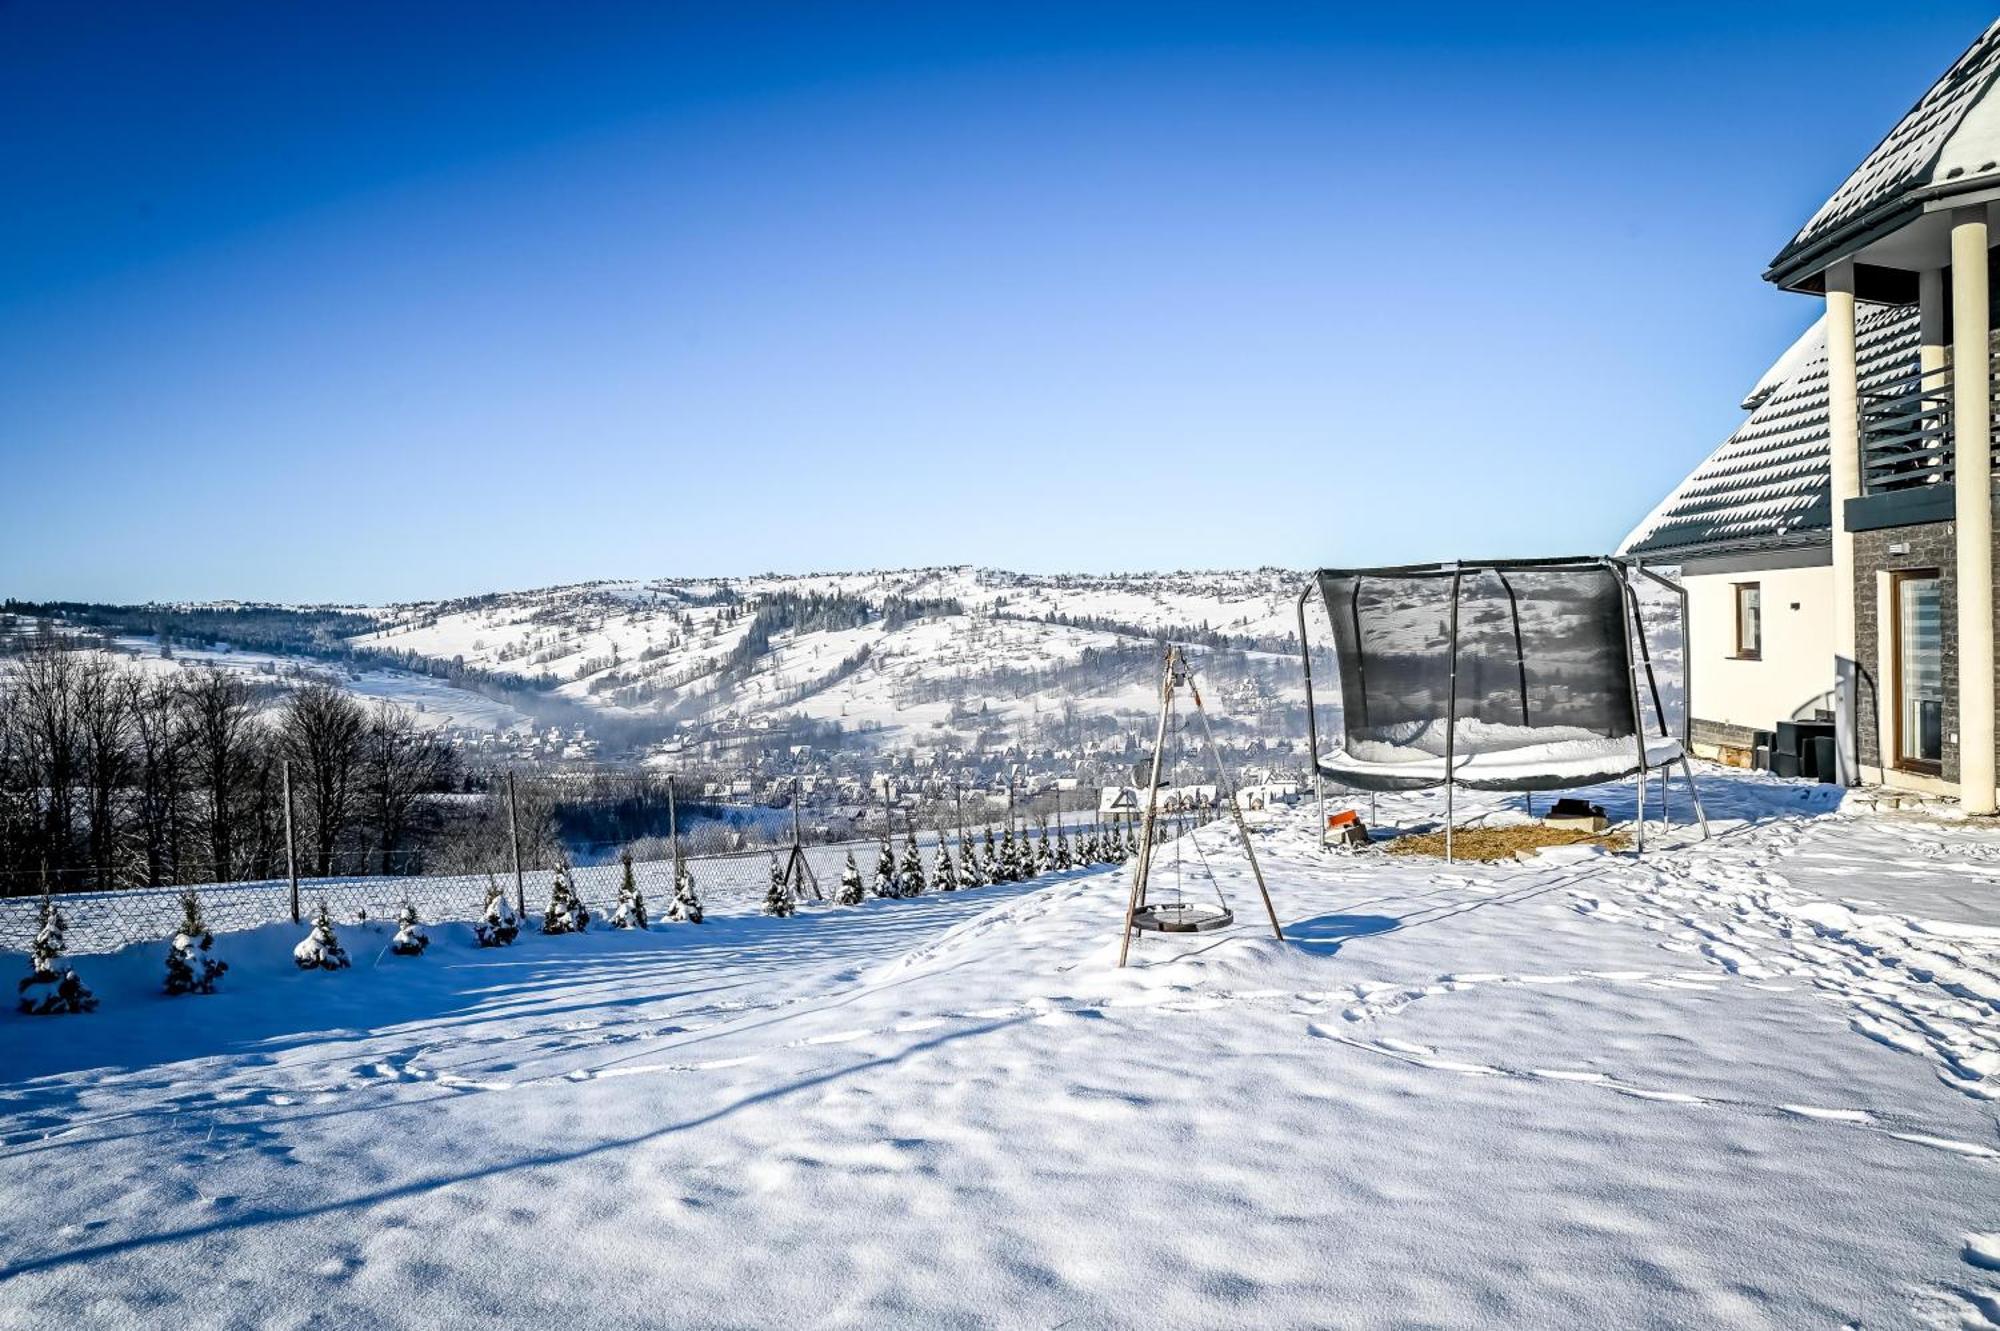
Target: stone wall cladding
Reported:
point(1930, 545)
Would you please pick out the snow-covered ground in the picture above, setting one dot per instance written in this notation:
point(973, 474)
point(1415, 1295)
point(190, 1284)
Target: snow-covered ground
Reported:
point(1743, 1083)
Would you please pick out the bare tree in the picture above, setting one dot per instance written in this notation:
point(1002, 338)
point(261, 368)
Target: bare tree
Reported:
point(403, 763)
point(42, 695)
point(324, 734)
point(159, 774)
point(223, 744)
point(104, 760)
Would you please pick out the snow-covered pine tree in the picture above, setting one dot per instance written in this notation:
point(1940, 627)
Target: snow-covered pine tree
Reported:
point(969, 874)
point(1087, 850)
point(1063, 862)
point(1045, 855)
point(497, 925)
point(320, 950)
point(566, 913)
point(190, 970)
point(410, 939)
point(1010, 858)
point(631, 911)
point(886, 883)
point(943, 875)
point(778, 898)
point(989, 861)
point(1131, 840)
point(65, 991)
point(912, 878)
point(687, 903)
point(850, 884)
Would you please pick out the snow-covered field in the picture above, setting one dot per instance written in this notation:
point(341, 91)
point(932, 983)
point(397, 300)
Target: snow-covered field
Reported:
point(1744, 1083)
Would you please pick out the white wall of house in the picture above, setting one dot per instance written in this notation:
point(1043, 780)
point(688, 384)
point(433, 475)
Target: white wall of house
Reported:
point(1795, 671)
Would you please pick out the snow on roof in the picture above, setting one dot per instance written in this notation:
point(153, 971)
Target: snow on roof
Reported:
point(1769, 483)
point(1940, 141)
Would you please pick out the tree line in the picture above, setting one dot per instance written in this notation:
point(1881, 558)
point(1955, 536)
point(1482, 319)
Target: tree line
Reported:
point(114, 776)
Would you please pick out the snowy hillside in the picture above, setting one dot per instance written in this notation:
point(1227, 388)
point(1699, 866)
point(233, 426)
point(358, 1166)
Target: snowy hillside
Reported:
point(900, 656)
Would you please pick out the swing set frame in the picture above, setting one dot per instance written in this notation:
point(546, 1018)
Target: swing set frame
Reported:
point(1177, 917)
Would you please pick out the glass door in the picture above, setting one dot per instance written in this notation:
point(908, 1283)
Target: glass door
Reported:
point(1919, 672)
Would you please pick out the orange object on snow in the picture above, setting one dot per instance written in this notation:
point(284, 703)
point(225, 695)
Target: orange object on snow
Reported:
point(1342, 819)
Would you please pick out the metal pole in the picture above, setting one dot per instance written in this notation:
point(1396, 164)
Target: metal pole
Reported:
point(1451, 721)
point(514, 839)
point(1223, 791)
point(1625, 599)
point(674, 834)
point(1152, 799)
point(1312, 716)
point(291, 845)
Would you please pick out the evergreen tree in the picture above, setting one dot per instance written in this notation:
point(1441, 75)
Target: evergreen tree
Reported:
point(1045, 856)
point(1086, 847)
point(631, 911)
point(687, 905)
point(497, 925)
point(850, 884)
point(190, 970)
point(321, 950)
point(1010, 857)
point(1063, 863)
point(969, 873)
point(989, 867)
point(566, 913)
point(913, 866)
point(46, 971)
point(886, 884)
point(942, 873)
point(410, 941)
point(1131, 840)
point(778, 898)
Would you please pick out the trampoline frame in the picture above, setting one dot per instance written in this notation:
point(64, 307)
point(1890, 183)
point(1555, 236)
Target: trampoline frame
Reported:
point(1623, 569)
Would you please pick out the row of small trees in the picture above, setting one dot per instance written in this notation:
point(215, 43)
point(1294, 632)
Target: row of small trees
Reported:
point(1005, 859)
point(52, 987)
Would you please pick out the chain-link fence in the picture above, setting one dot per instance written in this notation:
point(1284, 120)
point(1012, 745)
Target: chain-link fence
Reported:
point(105, 921)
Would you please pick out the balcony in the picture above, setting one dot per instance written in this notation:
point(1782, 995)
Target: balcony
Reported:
point(1906, 430)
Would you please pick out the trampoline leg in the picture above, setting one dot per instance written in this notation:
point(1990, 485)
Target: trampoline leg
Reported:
point(1687, 774)
point(1639, 824)
point(1449, 788)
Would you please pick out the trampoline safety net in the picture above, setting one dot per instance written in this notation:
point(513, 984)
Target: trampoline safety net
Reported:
point(1544, 661)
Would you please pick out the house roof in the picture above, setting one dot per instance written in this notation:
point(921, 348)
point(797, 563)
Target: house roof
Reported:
point(1769, 484)
point(1947, 143)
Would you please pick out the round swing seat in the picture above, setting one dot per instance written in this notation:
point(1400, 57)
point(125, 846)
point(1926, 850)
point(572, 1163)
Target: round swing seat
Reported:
point(1181, 917)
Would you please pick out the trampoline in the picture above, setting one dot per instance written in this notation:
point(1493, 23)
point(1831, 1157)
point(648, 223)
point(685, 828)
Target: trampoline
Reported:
point(1506, 675)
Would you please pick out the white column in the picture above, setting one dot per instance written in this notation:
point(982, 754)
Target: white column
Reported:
point(1972, 466)
point(1843, 411)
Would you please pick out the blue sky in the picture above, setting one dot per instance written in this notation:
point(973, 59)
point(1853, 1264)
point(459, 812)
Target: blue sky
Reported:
point(357, 304)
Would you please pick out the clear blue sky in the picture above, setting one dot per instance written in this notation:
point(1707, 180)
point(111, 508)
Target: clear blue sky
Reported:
point(342, 303)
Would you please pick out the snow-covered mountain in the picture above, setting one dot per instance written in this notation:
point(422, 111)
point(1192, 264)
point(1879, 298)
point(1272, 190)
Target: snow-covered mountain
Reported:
point(904, 658)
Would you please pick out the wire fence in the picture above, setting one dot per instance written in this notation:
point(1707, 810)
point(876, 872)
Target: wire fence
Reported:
point(99, 922)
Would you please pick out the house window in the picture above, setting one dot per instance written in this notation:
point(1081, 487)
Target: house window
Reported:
point(1749, 621)
point(1919, 622)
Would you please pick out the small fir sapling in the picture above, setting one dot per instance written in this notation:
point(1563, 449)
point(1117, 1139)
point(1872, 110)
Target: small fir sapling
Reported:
point(886, 884)
point(968, 863)
point(687, 904)
point(1063, 863)
point(410, 939)
point(190, 969)
point(942, 872)
point(46, 971)
point(566, 913)
point(912, 877)
point(1010, 858)
point(320, 950)
point(989, 866)
point(850, 884)
point(631, 911)
point(778, 898)
point(1045, 856)
point(497, 926)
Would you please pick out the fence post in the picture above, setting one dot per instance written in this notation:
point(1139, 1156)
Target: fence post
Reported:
point(291, 843)
point(514, 839)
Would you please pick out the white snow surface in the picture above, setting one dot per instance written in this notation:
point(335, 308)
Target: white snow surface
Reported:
point(1748, 1082)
